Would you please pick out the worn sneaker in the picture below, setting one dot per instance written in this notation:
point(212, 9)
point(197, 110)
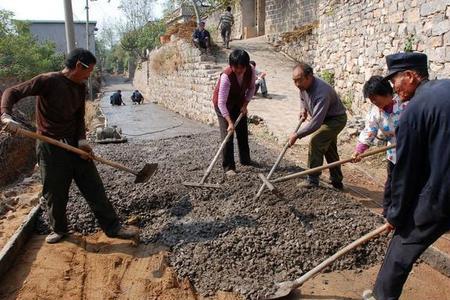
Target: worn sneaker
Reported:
point(368, 295)
point(128, 232)
point(308, 184)
point(230, 173)
point(266, 96)
point(54, 237)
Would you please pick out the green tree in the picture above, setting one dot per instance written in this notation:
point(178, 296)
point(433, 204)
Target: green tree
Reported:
point(136, 42)
point(21, 56)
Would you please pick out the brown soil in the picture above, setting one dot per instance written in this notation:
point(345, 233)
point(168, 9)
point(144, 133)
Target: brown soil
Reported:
point(15, 203)
point(95, 267)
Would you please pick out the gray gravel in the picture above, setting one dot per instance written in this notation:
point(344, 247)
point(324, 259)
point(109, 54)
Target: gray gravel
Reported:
point(223, 239)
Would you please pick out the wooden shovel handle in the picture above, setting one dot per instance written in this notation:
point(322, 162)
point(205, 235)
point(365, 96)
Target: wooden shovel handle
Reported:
point(70, 148)
point(298, 282)
point(332, 165)
point(216, 157)
point(277, 162)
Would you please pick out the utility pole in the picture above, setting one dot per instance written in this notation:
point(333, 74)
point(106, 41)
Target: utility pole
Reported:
point(197, 14)
point(91, 93)
point(70, 35)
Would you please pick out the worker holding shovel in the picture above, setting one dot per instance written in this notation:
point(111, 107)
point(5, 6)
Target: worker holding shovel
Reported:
point(420, 200)
point(384, 117)
point(328, 118)
point(60, 116)
point(233, 92)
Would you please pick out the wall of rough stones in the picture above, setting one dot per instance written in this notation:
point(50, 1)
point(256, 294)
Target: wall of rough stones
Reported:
point(17, 154)
point(282, 16)
point(186, 86)
point(353, 38)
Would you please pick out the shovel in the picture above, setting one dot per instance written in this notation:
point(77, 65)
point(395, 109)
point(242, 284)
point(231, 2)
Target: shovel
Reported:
point(141, 176)
point(285, 288)
point(213, 162)
point(277, 162)
point(327, 166)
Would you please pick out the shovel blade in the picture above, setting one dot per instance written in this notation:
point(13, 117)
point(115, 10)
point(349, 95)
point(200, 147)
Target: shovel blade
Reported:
point(147, 171)
point(283, 289)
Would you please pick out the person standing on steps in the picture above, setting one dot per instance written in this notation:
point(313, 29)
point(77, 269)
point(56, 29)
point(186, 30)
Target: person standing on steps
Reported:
point(383, 116)
point(60, 113)
point(419, 212)
point(328, 118)
point(225, 23)
point(233, 92)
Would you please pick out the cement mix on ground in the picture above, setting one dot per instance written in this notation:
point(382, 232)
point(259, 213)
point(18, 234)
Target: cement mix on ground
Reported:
point(222, 239)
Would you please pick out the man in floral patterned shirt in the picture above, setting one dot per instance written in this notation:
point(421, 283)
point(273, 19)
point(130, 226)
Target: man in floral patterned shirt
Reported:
point(383, 116)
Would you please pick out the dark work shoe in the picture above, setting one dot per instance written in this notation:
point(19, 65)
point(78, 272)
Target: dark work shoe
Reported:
point(251, 164)
point(266, 96)
point(338, 185)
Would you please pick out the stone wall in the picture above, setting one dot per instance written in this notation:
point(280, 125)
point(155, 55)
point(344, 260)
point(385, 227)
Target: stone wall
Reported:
point(184, 84)
point(17, 154)
point(286, 15)
point(353, 38)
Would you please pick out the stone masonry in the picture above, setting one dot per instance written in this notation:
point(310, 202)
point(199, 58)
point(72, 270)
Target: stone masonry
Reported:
point(188, 89)
point(353, 38)
point(282, 16)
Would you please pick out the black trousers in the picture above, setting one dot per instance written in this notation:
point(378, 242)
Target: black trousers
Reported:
point(404, 249)
point(387, 187)
point(58, 168)
point(241, 131)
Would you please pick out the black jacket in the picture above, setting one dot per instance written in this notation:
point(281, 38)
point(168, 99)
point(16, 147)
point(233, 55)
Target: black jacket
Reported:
point(116, 99)
point(421, 177)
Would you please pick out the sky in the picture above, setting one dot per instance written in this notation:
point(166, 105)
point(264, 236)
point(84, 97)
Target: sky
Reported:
point(99, 10)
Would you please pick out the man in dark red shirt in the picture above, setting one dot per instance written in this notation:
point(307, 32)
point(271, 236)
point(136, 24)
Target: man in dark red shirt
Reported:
point(60, 110)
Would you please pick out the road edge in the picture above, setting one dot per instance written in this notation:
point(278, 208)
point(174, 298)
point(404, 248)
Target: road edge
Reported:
point(12, 248)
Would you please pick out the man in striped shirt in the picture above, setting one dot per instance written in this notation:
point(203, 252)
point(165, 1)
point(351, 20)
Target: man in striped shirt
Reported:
point(225, 23)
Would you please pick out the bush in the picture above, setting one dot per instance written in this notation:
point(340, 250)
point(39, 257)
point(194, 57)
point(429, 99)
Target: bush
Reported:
point(328, 76)
point(166, 59)
point(21, 56)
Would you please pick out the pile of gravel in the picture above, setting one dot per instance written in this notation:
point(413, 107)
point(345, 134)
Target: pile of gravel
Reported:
point(223, 239)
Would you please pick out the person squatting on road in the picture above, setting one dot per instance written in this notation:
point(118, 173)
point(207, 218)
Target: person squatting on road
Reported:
point(201, 38)
point(260, 81)
point(419, 211)
point(328, 118)
point(116, 98)
point(225, 23)
point(137, 97)
point(383, 116)
point(233, 92)
point(60, 113)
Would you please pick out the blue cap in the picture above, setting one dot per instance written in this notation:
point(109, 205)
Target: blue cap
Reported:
point(399, 62)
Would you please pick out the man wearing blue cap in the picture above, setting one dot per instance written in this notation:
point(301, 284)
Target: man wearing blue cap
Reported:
point(420, 200)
